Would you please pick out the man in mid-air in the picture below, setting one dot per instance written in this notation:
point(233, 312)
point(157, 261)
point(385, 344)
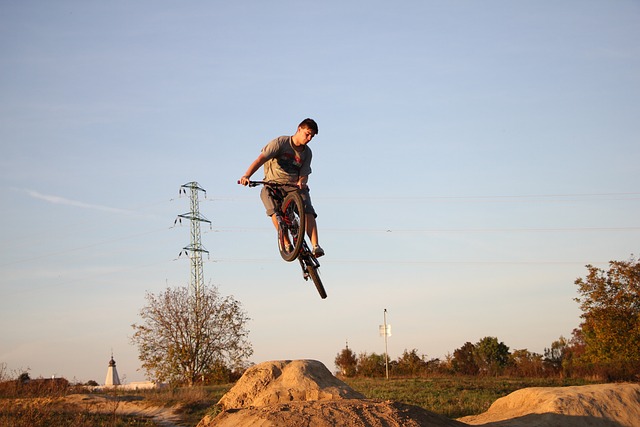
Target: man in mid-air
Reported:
point(287, 160)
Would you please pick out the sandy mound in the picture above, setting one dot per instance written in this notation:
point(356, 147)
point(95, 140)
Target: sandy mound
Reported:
point(603, 405)
point(285, 381)
point(342, 413)
point(303, 393)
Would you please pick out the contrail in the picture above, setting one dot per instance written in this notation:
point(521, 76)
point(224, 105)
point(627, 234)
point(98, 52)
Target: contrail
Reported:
point(57, 200)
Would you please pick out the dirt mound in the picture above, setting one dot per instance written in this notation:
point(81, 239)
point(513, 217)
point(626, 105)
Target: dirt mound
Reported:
point(343, 413)
point(603, 405)
point(303, 393)
point(284, 381)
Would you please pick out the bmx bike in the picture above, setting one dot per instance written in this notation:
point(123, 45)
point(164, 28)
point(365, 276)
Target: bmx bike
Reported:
point(291, 230)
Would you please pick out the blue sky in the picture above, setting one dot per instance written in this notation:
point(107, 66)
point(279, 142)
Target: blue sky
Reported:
point(472, 158)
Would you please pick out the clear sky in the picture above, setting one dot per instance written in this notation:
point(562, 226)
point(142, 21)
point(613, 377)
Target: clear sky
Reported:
point(472, 158)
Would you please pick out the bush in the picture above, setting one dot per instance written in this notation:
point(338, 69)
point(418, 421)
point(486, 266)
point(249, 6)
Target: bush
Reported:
point(40, 387)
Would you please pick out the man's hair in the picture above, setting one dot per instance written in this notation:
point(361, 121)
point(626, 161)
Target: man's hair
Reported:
point(309, 124)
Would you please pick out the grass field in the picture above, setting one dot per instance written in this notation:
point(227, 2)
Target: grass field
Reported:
point(452, 397)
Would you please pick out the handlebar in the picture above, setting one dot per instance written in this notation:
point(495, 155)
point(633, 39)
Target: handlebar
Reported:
point(269, 183)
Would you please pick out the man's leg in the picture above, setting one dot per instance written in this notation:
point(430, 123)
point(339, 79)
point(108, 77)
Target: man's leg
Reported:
point(312, 232)
point(312, 229)
point(274, 219)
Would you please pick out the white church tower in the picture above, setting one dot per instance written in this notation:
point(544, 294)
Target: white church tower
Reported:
point(112, 374)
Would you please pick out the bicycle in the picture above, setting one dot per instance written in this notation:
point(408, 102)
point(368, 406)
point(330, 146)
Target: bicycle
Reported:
point(291, 230)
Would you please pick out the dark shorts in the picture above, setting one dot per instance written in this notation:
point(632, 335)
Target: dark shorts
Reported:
point(270, 206)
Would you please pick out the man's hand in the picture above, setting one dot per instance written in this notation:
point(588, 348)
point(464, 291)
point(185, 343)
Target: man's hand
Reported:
point(257, 164)
point(302, 183)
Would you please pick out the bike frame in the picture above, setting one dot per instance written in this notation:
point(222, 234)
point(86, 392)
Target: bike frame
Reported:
point(308, 262)
point(289, 211)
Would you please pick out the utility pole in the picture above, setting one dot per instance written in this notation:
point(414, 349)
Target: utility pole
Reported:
point(195, 249)
point(385, 330)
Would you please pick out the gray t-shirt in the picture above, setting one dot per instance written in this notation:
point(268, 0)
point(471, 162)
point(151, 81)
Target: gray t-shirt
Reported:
point(285, 164)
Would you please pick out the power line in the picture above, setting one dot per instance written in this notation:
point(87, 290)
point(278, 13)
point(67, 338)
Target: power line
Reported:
point(436, 230)
point(82, 248)
point(525, 197)
point(560, 197)
point(483, 230)
point(412, 262)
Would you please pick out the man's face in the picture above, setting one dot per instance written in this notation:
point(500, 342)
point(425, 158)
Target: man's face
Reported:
point(306, 135)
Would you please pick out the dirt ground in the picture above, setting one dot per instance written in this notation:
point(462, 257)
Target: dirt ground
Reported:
point(303, 393)
point(123, 405)
point(164, 417)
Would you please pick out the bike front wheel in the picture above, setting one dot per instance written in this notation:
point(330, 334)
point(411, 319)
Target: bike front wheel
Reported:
point(315, 276)
point(292, 227)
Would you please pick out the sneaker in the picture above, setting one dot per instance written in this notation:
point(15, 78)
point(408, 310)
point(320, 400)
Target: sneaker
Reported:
point(317, 251)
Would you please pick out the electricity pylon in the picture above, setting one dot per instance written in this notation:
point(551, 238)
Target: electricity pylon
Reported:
point(195, 249)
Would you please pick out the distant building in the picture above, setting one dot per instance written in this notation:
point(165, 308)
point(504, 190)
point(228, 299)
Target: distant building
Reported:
point(112, 374)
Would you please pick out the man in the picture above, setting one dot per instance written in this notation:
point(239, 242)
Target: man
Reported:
point(287, 160)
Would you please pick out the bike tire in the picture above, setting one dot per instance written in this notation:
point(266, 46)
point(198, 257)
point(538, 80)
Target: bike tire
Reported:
point(315, 276)
point(293, 226)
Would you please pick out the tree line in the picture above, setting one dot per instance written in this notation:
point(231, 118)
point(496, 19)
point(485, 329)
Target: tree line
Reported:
point(202, 338)
point(487, 357)
point(606, 344)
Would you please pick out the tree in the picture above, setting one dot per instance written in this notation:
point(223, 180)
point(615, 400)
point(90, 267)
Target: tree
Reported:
point(464, 360)
point(491, 356)
point(571, 359)
point(182, 339)
point(525, 363)
point(610, 304)
point(555, 356)
point(346, 361)
point(24, 378)
point(371, 365)
point(411, 364)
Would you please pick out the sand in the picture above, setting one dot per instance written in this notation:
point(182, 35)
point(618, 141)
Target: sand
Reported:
point(303, 393)
point(591, 405)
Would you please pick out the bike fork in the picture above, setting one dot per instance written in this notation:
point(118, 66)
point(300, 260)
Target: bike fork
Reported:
point(305, 262)
point(303, 265)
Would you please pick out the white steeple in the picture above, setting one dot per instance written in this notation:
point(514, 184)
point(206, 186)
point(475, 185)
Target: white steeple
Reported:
point(112, 374)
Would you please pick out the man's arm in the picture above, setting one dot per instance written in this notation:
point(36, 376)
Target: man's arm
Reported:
point(253, 167)
point(302, 181)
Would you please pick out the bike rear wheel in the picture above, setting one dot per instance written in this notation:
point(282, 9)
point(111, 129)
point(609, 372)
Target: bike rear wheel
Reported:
point(292, 227)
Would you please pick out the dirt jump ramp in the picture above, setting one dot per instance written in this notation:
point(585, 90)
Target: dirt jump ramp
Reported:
point(303, 393)
point(601, 405)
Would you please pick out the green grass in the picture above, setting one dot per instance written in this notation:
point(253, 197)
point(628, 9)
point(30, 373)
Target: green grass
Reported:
point(452, 397)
